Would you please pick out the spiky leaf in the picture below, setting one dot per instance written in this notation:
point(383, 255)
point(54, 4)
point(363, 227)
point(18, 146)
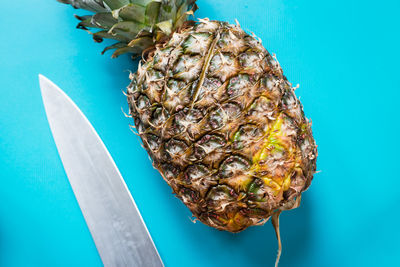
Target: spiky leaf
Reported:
point(127, 20)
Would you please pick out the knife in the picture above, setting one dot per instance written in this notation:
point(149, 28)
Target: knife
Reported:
point(114, 221)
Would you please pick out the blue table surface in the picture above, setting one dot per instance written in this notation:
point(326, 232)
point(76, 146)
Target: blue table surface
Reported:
point(345, 56)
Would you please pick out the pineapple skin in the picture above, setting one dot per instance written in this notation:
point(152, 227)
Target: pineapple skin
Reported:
point(223, 126)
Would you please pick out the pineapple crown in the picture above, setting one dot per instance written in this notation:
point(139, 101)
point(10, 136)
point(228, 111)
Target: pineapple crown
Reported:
point(137, 25)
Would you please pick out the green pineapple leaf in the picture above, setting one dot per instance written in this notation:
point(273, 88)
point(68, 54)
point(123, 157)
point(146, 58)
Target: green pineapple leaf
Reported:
point(128, 20)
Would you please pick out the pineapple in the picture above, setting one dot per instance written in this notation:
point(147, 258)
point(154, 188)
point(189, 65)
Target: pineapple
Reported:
point(214, 111)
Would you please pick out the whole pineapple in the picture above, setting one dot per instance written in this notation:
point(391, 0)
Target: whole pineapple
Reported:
point(214, 111)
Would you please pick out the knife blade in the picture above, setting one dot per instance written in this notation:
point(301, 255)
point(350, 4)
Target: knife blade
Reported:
point(114, 221)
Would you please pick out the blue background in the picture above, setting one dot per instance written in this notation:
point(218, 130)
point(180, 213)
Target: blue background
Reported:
point(345, 56)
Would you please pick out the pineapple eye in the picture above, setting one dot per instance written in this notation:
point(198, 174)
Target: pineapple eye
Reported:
point(237, 85)
point(195, 172)
point(175, 85)
point(175, 147)
point(143, 102)
point(206, 145)
point(269, 86)
point(197, 43)
point(211, 142)
point(192, 115)
point(160, 59)
point(220, 116)
point(231, 43)
point(188, 68)
point(210, 85)
point(262, 108)
point(173, 127)
point(251, 60)
point(223, 66)
point(154, 75)
point(170, 171)
point(159, 116)
point(221, 193)
point(233, 165)
point(208, 93)
point(153, 141)
point(261, 104)
point(245, 135)
point(231, 110)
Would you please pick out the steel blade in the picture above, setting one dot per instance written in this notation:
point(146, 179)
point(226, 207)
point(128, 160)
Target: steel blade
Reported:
point(117, 228)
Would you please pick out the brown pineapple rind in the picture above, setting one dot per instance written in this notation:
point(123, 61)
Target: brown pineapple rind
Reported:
point(223, 126)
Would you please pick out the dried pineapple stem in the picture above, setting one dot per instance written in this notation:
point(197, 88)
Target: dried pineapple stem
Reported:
point(275, 223)
point(207, 62)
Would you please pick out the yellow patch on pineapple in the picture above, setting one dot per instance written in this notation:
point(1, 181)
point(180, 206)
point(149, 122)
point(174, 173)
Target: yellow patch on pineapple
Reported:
point(286, 183)
point(273, 143)
point(272, 184)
